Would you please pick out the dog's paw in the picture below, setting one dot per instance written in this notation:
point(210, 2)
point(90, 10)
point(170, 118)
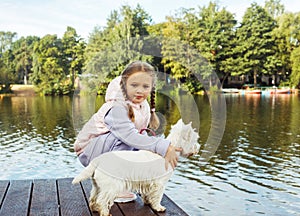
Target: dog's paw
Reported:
point(159, 208)
point(93, 207)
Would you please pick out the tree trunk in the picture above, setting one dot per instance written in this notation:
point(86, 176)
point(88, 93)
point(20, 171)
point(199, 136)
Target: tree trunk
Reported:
point(25, 75)
point(25, 80)
point(224, 78)
point(254, 77)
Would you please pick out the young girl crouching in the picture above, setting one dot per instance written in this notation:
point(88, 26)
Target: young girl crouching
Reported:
point(119, 123)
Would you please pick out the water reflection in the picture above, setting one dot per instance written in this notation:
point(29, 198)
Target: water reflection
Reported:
point(255, 170)
point(36, 134)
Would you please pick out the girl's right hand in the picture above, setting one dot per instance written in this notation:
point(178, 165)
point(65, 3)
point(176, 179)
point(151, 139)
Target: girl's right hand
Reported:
point(171, 157)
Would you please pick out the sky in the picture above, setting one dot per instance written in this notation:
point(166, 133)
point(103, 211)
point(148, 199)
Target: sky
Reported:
point(41, 17)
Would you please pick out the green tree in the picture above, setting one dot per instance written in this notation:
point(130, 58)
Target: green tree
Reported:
point(180, 55)
point(255, 44)
point(23, 52)
point(73, 52)
point(110, 48)
point(210, 31)
point(280, 62)
point(218, 39)
point(48, 70)
point(174, 32)
point(295, 76)
point(274, 8)
point(6, 40)
point(8, 74)
point(295, 55)
point(282, 36)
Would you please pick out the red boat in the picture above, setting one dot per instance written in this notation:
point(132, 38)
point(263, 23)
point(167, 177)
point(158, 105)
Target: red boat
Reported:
point(255, 91)
point(280, 91)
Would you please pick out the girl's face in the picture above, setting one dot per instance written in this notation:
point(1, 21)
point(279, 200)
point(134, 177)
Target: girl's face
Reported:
point(138, 86)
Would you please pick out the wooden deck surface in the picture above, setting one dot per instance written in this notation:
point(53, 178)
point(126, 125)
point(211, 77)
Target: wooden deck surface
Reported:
point(59, 197)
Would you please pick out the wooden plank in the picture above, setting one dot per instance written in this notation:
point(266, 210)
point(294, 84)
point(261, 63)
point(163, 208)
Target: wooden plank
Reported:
point(17, 198)
point(60, 197)
point(136, 208)
point(71, 198)
point(87, 186)
point(172, 209)
point(44, 199)
point(3, 189)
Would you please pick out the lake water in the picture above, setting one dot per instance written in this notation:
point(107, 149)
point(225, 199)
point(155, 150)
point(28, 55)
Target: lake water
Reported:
point(254, 171)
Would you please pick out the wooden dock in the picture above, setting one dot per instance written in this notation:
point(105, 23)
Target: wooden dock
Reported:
point(59, 197)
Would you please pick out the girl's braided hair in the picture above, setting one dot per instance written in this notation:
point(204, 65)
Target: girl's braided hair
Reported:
point(139, 66)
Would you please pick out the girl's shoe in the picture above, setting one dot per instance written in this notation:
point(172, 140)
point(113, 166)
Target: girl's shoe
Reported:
point(125, 197)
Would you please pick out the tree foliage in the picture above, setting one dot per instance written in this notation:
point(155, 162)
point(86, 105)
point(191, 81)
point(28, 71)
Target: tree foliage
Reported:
point(48, 74)
point(190, 45)
point(255, 45)
point(210, 32)
point(56, 62)
point(295, 54)
point(112, 47)
point(73, 54)
point(295, 76)
point(7, 73)
point(23, 49)
point(274, 8)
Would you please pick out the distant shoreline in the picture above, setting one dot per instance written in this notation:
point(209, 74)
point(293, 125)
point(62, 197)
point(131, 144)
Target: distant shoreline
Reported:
point(23, 90)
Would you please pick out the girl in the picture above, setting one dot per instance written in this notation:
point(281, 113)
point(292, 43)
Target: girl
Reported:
point(119, 123)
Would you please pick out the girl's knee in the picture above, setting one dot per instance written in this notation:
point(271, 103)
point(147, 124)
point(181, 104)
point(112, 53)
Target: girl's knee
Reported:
point(83, 159)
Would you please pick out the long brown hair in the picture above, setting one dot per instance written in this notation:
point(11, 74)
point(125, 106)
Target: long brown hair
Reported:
point(139, 66)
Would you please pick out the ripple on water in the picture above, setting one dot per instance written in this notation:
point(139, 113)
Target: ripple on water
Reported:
point(31, 155)
point(262, 183)
point(255, 170)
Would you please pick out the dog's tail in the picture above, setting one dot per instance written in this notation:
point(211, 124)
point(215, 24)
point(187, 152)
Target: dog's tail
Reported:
point(85, 174)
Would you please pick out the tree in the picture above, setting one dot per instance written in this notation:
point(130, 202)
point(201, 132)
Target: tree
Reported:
point(110, 48)
point(295, 55)
point(218, 39)
point(23, 52)
point(282, 36)
point(274, 8)
point(255, 44)
point(181, 59)
point(48, 70)
point(8, 75)
point(210, 31)
point(174, 32)
point(295, 76)
point(6, 40)
point(73, 52)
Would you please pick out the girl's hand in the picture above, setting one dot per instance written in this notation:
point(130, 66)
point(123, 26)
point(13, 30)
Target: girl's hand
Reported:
point(171, 157)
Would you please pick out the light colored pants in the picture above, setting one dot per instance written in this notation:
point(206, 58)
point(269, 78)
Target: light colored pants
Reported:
point(101, 144)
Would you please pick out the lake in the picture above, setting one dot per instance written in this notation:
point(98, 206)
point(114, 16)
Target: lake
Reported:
point(254, 170)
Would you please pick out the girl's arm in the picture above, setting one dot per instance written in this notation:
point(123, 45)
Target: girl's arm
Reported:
point(123, 128)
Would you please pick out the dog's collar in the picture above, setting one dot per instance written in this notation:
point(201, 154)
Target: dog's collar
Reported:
point(148, 129)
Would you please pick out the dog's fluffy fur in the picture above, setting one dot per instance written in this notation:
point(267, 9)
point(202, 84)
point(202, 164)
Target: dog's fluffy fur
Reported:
point(140, 171)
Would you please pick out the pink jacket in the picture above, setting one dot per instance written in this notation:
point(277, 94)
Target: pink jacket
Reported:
point(96, 126)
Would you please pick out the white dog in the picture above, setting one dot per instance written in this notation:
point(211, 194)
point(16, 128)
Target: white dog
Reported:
point(140, 171)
